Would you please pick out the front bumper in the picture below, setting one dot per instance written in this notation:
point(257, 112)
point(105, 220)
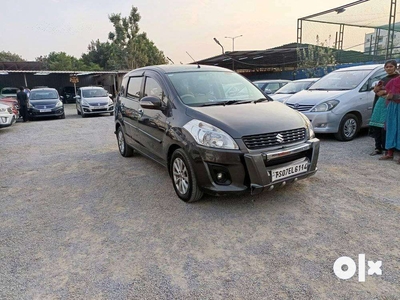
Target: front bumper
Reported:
point(7, 120)
point(36, 113)
point(324, 122)
point(254, 170)
point(95, 110)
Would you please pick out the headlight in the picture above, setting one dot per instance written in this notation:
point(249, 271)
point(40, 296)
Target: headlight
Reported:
point(310, 127)
point(59, 104)
point(110, 102)
point(30, 105)
point(85, 103)
point(210, 136)
point(325, 106)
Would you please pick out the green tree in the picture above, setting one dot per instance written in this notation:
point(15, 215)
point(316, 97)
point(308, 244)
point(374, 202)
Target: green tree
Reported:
point(10, 57)
point(60, 61)
point(132, 50)
point(101, 54)
point(316, 56)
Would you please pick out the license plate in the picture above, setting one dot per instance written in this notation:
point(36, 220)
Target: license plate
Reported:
point(45, 110)
point(284, 172)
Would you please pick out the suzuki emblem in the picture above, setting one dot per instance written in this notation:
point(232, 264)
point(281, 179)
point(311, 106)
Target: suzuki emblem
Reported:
point(280, 138)
point(98, 104)
point(296, 105)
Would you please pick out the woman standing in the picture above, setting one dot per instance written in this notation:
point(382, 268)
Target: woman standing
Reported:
point(378, 118)
point(393, 118)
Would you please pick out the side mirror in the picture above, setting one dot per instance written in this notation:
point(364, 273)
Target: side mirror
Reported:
point(77, 97)
point(150, 102)
point(110, 95)
point(61, 97)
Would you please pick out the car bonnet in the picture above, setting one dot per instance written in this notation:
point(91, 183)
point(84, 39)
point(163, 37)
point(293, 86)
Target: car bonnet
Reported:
point(249, 119)
point(313, 97)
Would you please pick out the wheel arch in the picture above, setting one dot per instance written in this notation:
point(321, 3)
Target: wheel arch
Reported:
point(171, 150)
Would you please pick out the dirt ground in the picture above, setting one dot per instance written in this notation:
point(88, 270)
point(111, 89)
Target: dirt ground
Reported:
point(79, 221)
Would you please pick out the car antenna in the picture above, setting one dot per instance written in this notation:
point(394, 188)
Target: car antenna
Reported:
point(170, 60)
point(198, 65)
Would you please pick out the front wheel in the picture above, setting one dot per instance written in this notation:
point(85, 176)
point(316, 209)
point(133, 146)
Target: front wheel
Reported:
point(62, 116)
point(123, 147)
point(111, 113)
point(183, 177)
point(348, 128)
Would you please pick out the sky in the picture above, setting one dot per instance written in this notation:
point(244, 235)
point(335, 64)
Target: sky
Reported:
point(33, 28)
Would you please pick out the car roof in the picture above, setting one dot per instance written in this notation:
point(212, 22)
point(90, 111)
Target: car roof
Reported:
point(91, 87)
point(43, 89)
point(306, 79)
point(180, 68)
point(272, 80)
point(361, 68)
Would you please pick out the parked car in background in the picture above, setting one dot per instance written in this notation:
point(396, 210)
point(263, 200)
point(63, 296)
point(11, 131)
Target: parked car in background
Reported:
point(68, 93)
point(7, 117)
point(291, 88)
point(13, 103)
point(7, 92)
point(45, 102)
point(341, 101)
point(270, 86)
point(92, 100)
point(211, 140)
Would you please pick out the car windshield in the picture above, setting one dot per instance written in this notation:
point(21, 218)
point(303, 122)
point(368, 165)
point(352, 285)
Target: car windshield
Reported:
point(93, 93)
point(213, 88)
point(8, 91)
point(43, 95)
point(340, 80)
point(293, 87)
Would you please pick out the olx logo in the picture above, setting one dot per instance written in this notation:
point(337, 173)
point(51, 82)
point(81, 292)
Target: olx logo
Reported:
point(373, 267)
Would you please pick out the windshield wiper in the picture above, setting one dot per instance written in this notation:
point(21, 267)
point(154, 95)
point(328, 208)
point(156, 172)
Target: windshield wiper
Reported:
point(228, 102)
point(260, 100)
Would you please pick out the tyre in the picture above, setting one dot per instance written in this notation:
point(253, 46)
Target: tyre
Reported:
point(78, 112)
point(111, 113)
point(123, 147)
point(183, 177)
point(348, 128)
point(83, 115)
point(62, 116)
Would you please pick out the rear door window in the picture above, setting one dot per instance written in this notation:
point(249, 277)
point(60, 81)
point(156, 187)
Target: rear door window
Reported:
point(134, 86)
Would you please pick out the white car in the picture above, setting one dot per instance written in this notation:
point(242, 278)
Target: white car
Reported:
point(291, 88)
point(93, 100)
point(7, 118)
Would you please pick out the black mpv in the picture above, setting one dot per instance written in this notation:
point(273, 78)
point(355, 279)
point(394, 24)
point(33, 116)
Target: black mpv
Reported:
point(213, 129)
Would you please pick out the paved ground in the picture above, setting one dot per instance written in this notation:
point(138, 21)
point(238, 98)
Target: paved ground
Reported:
point(78, 221)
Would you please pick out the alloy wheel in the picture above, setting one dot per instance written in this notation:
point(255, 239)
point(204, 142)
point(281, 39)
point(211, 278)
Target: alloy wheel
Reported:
point(181, 176)
point(350, 127)
point(121, 141)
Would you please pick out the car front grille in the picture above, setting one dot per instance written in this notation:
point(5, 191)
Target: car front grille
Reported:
point(48, 106)
point(300, 107)
point(266, 140)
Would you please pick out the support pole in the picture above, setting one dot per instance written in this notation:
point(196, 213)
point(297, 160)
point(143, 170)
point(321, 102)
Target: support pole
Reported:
point(392, 21)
